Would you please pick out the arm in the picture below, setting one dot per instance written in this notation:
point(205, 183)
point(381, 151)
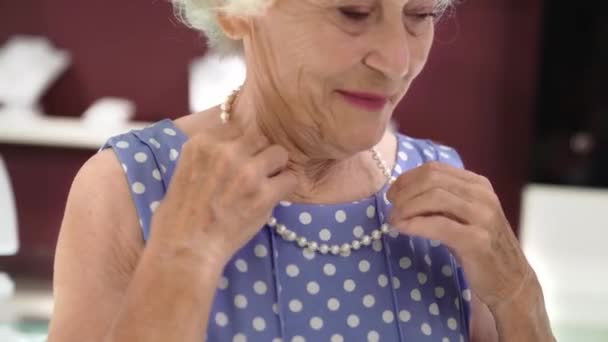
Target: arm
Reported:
point(106, 287)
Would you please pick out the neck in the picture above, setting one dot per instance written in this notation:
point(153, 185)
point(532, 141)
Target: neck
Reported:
point(326, 174)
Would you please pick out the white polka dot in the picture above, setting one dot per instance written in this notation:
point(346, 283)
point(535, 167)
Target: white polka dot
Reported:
point(140, 157)
point(316, 323)
point(447, 270)
point(427, 260)
point(156, 175)
point(371, 211)
point(329, 269)
point(382, 280)
point(239, 338)
point(445, 339)
point(408, 145)
point(308, 254)
point(388, 316)
point(173, 154)
point(403, 156)
point(333, 304)
point(415, 294)
point(313, 287)
point(285, 203)
point(295, 305)
point(163, 168)
point(429, 154)
point(373, 336)
point(260, 251)
point(259, 324)
point(241, 265)
point(426, 329)
point(386, 201)
point(125, 168)
point(444, 155)
point(349, 285)
point(223, 283)
point(369, 301)
point(325, 234)
point(305, 218)
point(154, 142)
point(422, 278)
point(275, 308)
point(434, 309)
point(435, 243)
point(138, 188)
point(377, 245)
point(439, 292)
point(240, 301)
point(396, 283)
point(340, 216)
point(169, 131)
point(352, 321)
point(358, 232)
point(452, 323)
point(292, 270)
point(461, 338)
point(457, 303)
point(405, 263)
point(337, 338)
point(363, 266)
point(405, 316)
point(466, 294)
point(393, 232)
point(398, 169)
point(154, 205)
point(298, 338)
point(260, 287)
point(221, 319)
point(122, 144)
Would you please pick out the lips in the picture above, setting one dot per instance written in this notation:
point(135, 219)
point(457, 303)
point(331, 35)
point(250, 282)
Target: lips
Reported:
point(366, 101)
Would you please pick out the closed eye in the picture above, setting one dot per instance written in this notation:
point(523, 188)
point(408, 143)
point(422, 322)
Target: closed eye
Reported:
point(354, 14)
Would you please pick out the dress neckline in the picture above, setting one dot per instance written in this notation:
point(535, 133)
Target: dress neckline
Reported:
point(365, 200)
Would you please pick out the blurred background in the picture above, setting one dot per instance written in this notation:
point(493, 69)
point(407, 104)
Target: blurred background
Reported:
point(518, 87)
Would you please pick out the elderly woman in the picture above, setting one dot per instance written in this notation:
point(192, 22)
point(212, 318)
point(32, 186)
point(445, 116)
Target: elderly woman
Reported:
point(292, 212)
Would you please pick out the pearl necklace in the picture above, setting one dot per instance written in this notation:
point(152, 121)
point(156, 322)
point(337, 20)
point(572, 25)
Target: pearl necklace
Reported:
point(314, 246)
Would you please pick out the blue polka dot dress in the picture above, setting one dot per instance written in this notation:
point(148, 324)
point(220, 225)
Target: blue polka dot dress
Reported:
point(399, 288)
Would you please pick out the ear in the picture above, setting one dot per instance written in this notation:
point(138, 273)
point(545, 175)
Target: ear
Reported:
point(235, 27)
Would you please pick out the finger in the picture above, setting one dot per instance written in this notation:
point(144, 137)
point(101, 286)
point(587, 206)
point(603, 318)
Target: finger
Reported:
point(425, 182)
point(252, 141)
point(271, 160)
point(440, 228)
point(279, 187)
point(431, 168)
point(437, 201)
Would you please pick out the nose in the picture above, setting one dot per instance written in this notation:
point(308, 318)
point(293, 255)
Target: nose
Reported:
point(390, 50)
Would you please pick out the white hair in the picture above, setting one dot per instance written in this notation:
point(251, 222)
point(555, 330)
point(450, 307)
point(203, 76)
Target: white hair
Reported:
point(201, 15)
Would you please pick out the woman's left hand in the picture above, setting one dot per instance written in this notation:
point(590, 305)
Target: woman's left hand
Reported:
point(460, 208)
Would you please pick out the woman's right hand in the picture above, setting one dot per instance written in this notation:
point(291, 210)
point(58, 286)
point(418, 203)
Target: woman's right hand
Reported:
point(225, 186)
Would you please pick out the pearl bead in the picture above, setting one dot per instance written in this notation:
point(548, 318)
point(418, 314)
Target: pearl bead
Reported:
point(281, 229)
point(366, 240)
point(291, 236)
point(345, 248)
point(302, 242)
point(385, 228)
point(356, 244)
point(376, 234)
point(335, 249)
point(324, 248)
point(272, 222)
point(313, 246)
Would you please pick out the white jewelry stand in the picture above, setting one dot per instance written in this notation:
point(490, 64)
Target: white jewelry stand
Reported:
point(8, 230)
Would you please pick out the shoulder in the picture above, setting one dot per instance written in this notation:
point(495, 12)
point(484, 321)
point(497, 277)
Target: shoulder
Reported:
point(431, 150)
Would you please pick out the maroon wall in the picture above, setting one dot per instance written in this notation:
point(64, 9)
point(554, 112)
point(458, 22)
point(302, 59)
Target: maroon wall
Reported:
point(476, 94)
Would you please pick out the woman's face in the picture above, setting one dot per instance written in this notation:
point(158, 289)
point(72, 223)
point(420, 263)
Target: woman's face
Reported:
point(332, 71)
